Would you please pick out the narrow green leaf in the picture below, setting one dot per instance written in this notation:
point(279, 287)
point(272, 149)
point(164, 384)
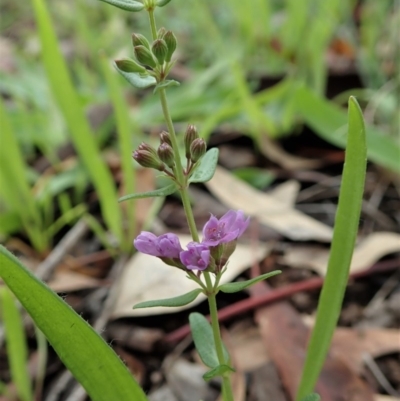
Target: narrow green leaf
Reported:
point(329, 121)
point(124, 129)
point(168, 190)
point(16, 191)
point(218, 371)
point(344, 236)
point(136, 79)
point(81, 349)
point(127, 5)
point(16, 345)
point(241, 285)
point(70, 104)
point(165, 84)
point(204, 340)
point(170, 302)
point(311, 397)
point(206, 169)
point(162, 3)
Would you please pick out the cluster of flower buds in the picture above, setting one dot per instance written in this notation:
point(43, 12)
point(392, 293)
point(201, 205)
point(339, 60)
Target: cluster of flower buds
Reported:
point(156, 54)
point(218, 244)
point(195, 147)
point(163, 158)
point(159, 159)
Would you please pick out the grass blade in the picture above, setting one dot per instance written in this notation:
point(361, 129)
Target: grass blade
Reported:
point(82, 136)
point(16, 190)
point(124, 142)
point(344, 237)
point(16, 345)
point(81, 349)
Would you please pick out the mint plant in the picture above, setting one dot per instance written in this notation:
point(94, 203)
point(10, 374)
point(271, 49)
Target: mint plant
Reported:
point(203, 261)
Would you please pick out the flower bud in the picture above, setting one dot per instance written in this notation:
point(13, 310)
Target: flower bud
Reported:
point(197, 149)
point(166, 154)
point(145, 56)
point(161, 32)
point(160, 50)
point(165, 138)
point(145, 146)
point(190, 135)
point(147, 159)
point(170, 40)
point(128, 65)
point(140, 40)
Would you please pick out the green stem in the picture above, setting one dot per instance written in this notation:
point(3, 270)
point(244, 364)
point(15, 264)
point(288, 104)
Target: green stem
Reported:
point(183, 189)
point(212, 304)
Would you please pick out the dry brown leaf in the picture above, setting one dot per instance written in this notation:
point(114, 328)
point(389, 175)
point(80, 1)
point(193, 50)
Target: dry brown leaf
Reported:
point(286, 192)
point(367, 252)
point(351, 344)
point(285, 337)
point(67, 281)
point(273, 213)
point(380, 397)
point(147, 278)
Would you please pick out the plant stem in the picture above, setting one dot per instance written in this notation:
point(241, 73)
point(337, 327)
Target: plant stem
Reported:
point(183, 189)
point(212, 304)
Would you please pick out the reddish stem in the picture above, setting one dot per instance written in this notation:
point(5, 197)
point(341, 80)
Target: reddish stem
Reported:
point(278, 294)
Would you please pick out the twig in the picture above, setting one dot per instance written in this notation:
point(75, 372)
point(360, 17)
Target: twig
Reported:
point(46, 268)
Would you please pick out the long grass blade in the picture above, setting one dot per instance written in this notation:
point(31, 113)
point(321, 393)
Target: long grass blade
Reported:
point(82, 136)
point(81, 349)
point(344, 237)
point(16, 345)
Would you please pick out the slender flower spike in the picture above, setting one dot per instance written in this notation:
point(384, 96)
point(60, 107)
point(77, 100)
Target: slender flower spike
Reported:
point(164, 246)
point(226, 229)
point(197, 256)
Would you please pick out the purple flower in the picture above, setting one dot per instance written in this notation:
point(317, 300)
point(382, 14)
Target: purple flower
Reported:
point(164, 246)
point(169, 246)
point(197, 256)
point(228, 228)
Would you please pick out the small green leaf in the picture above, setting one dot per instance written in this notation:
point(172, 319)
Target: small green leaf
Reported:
point(162, 3)
point(137, 80)
point(204, 340)
point(170, 302)
point(311, 397)
point(218, 371)
point(127, 5)
point(206, 168)
point(168, 190)
point(241, 285)
point(166, 84)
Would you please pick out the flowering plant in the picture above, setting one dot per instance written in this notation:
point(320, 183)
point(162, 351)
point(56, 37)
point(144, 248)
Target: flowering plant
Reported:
point(204, 261)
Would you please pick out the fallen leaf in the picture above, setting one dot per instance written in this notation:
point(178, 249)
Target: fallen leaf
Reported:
point(351, 344)
point(273, 213)
point(286, 192)
point(67, 281)
point(380, 397)
point(367, 252)
point(147, 278)
point(285, 337)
